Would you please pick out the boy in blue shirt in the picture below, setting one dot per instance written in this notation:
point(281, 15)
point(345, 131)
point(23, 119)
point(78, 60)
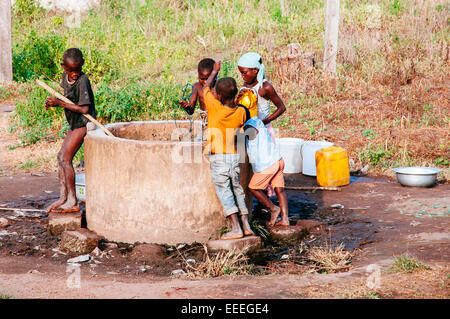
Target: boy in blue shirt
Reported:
point(267, 166)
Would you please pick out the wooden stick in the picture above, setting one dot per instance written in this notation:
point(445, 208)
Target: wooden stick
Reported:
point(314, 188)
point(23, 209)
point(63, 98)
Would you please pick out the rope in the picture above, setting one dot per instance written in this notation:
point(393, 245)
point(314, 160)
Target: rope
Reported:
point(186, 96)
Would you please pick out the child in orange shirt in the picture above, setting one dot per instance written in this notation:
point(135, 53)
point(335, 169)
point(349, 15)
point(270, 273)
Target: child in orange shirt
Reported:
point(224, 119)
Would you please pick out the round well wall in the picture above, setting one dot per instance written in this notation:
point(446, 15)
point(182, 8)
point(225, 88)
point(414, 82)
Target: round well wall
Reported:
point(142, 186)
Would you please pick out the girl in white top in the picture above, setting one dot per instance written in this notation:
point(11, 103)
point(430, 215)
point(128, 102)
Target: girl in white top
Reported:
point(252, 71)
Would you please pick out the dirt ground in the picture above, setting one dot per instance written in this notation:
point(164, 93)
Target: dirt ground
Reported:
point(377, 221)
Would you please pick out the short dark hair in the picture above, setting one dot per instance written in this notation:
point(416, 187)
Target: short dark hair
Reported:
point(226, 88)
point(74, 54)
point(206, 64)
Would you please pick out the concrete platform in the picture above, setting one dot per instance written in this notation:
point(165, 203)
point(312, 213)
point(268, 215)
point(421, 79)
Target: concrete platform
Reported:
point(60, 222)
point(253, 242)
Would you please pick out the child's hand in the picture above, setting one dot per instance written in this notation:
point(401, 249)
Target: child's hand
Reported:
point(217, 66)
point(184, 104)
point(51, 102)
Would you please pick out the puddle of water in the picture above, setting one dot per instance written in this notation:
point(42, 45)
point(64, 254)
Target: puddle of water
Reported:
point(299, 207)
point(362, 179)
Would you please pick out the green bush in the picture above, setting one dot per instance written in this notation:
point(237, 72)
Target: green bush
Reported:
point(33, 119)
point(38, 56)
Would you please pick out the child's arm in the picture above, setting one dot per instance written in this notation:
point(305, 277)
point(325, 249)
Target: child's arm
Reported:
point(212, 76)
point(54, 102)
point(190, 106)
point(268, 92)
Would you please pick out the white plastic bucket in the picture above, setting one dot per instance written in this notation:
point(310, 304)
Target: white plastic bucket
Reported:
point(80, 187)
point(309, 150)
point(291, 152)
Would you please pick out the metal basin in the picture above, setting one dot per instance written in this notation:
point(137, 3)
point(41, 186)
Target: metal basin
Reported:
point(416, 176)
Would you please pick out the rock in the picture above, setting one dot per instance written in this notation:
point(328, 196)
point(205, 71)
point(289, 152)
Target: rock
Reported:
point(34, 271)
point(365, 168)
point(191, 261)
point(284, 257)
point(181, 246)
point(337, 206)
point(3, 222)
point(253, 242)
point(81, 241)
point(108, 246)
point(286, 233)
point(312, 226)
point(148, 252)
point(97, 252)
point(79, 259)
point(59, 222)
point(178, 273)
point(58, 251)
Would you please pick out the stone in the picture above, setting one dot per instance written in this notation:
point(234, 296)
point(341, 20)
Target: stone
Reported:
point(148, 252)
point(178, 273)
point(253, 242)
point(3, 222)
point(60, 222)
point(312, 226)
point(97, 252)
point(286, 233)
point(81, 241)
point(108, 246)
point(79, 259)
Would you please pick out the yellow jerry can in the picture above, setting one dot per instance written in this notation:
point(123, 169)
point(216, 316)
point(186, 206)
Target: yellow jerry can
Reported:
point(332, 167)
point(247, 98)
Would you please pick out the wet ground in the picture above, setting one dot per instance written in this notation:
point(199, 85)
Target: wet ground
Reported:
point(375, 219)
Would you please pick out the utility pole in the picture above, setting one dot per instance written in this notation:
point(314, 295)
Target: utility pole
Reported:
point(6, 75)
point(331, 36)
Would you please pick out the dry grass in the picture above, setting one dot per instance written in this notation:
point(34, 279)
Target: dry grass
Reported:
point(389, 104)
point(422, 284)
point(220, 264)
point(329, 260)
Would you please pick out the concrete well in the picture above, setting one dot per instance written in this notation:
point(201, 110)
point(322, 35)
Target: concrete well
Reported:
point(142, 186)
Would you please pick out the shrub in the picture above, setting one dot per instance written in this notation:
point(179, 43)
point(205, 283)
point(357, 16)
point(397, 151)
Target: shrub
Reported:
point(38, 56)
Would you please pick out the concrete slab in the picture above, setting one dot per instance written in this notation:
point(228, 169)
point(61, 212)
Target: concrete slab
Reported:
point(286, 233)
point(81, 241)
point(60, 222)
point(253, 242)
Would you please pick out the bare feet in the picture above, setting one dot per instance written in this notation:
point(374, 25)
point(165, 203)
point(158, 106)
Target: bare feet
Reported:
point(232, 235)
point(246, 226)
point(274, 213)
point(282, 223)
point(56, 204)
point(71, 205)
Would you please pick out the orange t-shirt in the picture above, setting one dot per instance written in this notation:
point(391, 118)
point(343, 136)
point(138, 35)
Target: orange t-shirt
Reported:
point(223, 121)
